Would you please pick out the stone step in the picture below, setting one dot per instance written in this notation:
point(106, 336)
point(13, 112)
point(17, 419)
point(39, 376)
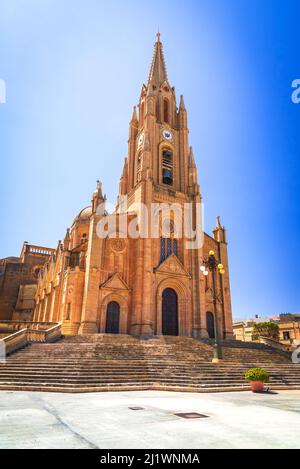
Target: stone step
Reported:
point(138, 379)
point(142, 363)
point(110, 362)
point(130, 387)
point(174, 381)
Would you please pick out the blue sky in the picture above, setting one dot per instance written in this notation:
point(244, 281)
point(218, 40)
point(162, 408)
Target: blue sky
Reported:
point(73, 71)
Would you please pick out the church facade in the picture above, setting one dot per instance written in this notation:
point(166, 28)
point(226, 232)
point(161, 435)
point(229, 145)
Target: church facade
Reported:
point(104, 279)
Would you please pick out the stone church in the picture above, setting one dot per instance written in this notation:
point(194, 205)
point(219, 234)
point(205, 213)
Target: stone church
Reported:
point(141, 285)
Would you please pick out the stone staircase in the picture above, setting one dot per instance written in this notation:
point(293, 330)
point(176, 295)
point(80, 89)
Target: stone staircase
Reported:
point(120, 362)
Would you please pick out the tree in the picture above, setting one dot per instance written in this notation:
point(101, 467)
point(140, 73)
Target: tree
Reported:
point(265, 329)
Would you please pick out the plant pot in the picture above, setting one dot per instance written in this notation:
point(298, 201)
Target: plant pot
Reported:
point(257, 386)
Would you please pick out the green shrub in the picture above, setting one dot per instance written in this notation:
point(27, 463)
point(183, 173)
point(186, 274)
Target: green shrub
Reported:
point(265, 329)
point(257, 374)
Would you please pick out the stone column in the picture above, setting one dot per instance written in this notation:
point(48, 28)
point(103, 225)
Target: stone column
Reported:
point(92, 280)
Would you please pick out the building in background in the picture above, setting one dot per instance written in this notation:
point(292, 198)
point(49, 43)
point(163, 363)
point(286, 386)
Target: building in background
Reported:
point(289, 327)
point(18, 281)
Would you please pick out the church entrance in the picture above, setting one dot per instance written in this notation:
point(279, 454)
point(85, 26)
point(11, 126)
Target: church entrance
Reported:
point(112, 318)
point(169, 312)
point(210, 325)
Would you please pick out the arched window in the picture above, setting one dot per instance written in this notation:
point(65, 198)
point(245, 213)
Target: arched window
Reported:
point(83, 238)
point(138, 167)
point(175, 247)
point(166, 110)
point(167, 167)
point(162, 249)
point(74, 260)
point(168, 246)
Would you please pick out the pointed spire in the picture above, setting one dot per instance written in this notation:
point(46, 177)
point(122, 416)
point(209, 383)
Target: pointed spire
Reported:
point(158, 70)
point(134, 118)
point(182, 105)
point(182, 114)
point(124, 172)
point(192, 163)
point(98, 198)
point(219, 231)
point(67, 239)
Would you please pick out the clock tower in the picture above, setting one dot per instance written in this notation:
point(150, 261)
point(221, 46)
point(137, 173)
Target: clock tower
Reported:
point(158, 138)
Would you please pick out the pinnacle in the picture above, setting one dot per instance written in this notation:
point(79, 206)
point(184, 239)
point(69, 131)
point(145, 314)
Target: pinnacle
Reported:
point(134, 115)
point(182, 105)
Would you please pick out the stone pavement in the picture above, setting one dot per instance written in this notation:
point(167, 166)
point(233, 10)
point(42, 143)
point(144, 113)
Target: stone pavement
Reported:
point(104, 420)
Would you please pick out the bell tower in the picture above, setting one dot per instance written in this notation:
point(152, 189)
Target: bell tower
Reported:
point(158, 147)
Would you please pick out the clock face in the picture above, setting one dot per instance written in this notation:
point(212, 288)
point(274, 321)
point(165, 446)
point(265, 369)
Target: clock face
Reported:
point(140, 140)
point(167, 135)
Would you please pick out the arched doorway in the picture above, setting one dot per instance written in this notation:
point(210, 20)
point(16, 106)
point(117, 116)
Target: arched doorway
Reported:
point(169, 312)
point(210, 325)
point(112, 318)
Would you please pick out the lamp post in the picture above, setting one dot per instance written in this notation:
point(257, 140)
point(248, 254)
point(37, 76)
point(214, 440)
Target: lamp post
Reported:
point(215, 267)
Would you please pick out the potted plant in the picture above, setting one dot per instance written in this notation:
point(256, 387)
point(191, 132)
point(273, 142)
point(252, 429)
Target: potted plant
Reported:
point(257, 378)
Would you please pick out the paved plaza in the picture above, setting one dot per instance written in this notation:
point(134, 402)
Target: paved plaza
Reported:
point(105, 420)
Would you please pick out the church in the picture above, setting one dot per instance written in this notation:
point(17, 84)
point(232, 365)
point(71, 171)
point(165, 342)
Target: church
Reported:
point(146, 285)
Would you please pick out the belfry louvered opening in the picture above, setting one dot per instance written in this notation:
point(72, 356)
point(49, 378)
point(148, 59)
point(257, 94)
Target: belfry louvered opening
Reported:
point(167, 167)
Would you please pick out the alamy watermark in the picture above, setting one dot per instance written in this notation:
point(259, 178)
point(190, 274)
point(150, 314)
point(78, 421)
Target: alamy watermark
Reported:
point(2, 92)
point(295, 96)
point(296, 353)
point(158, 220)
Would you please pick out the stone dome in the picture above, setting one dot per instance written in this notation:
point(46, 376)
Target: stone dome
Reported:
point(84, 215)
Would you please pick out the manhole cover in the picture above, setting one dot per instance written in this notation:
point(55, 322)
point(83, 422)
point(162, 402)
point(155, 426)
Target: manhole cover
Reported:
point(136, 408)
point(191, 415)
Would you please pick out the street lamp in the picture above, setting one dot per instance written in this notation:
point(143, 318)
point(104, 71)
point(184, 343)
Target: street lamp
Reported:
point(215, 266)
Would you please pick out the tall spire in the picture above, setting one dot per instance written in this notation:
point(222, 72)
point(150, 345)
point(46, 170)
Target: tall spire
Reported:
point(158, 71)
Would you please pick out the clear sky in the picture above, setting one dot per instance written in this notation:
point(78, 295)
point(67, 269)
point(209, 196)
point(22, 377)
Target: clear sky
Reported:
point(73, 70)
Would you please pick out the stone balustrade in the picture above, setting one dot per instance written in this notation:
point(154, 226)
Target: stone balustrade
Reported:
point(24, 336)
point(19, 325)
point(39, 250)
point(45, 335)
point(15, 341)
point(274, 343)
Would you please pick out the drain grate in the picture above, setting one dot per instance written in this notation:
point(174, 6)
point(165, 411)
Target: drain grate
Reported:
point(136, 408)
point(191, 415)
